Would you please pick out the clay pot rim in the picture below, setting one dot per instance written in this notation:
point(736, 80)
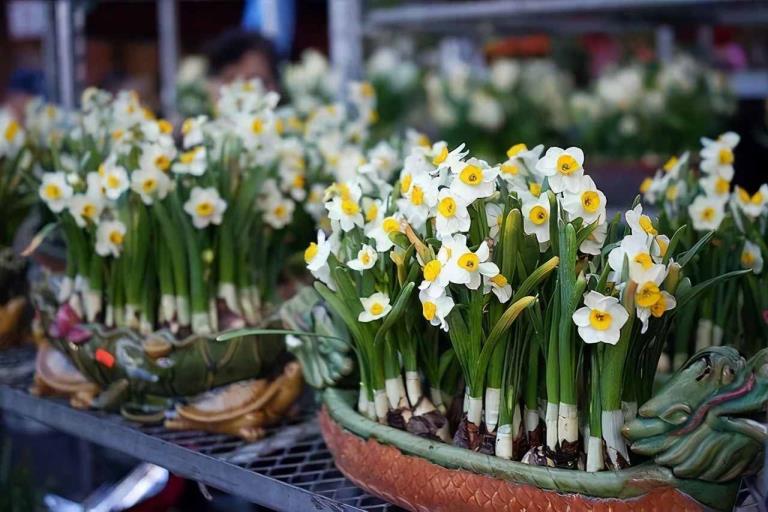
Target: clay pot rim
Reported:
point(623, 484)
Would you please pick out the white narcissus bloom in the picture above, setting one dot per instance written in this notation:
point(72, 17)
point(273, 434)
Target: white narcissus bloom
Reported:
point(150, 184)
point(601, 318)
point(114, 180)
point(55, 191)
point(373, 211)
point(382, 161)
point(474, 179)
point(157, 156)
point(659, 247)
point(109, 238)
point(316, 257)
point(562, 167)
point(593, 244)
point(192, 161)
point(192, 129)
point(494, 215)
point(706, 213)
point(499, 285)
point(536, 217)
point(649, 298)
point(640, 224)
point(366, 258)
point(717, 155)
point(587, 202)
point(85, 208)
point(751, 257)
point(11, 135)
point(442, 157)
point(524, 159)
point(205, 206)
point(346, 211)
point(278, 211)
point(467, 267)
point(485, 111)
point(380, 231)
point(374, 307)
point(634, 248)
point(436, 309)
point(716, 187)
point(418, 201)
point(672, 167)
point(451, 214)
point(753, 206)
point(435, 280)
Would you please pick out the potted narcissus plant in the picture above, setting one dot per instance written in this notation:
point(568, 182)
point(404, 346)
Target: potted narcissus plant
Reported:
point(535, 322)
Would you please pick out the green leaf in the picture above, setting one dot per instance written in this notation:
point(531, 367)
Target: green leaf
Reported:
point(685, 295)
point(688, 255)
point(674, 242)
point(536, 278)
point(342, 310)
point(252, 331)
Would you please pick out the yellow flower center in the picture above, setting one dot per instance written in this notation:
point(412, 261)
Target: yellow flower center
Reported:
point(648, 295)
point(279, 211)
point(279, 126)
point(658, 309)
point(644, 259)
point(187, 126)
point(405, 183)
point(590, 201)
point(162, 162)
point(204, 208)
point(377, 308)
point(113, 181)
point(567, 165)
point(663, 246)
point(516, 150)
point(743, 195)
point(671, 193)
point(165, 126)
point(89, 210)
point(11, 130)
point(757, 198)
point(417, 196)
point(349, 207)
point(447, 207)
point(102, 170)
point(471, 175)
point(747, 259)
point(298, 181)
point(510, 169)
point(422, 140)
point(429, 310)
point(722, 186)
point(534, 188)
point(118, 134)
point(645, 186)
point(499, 280)
point(188, 157)
point(600, 320)
point(310, 252)
point(725, 156)
point(432, 270)
point(116, 237)
point(441, 156)
point(538, 215)
point(372, 212)
point(366, 90)
point(647, 225)
point(257, 126)
point(671, 163)
point(365, 258)
point(149, 185)
point(52, 191)
point(469, 261)
point(708, 214)
point(390, 224)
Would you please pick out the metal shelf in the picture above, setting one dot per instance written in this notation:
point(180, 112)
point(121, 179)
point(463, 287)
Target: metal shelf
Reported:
point(290, 469)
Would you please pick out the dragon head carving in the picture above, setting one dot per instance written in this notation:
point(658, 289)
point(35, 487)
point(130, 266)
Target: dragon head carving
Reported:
point(708, 421)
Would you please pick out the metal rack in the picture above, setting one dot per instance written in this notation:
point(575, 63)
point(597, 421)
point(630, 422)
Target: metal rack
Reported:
point(290, 469)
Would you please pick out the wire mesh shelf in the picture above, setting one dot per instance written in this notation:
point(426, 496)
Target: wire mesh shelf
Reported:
point(289, 469)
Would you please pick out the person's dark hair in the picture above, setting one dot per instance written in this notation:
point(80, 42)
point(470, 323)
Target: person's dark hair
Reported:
point(229, 47)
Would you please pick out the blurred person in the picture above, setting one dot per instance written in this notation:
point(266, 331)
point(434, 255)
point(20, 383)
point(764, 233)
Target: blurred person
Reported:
point(238, 54)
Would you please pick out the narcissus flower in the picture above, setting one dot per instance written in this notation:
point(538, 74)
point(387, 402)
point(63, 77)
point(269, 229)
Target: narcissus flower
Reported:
point(451, 214)
point(562, 167)
point(374, 307)
point(150, 184)
point(650, 299)
point(751, 257)
point(499, 285)
point(55, 191)
point(601, 319)
point(474, 179)
point(753, 205)
point(205, 206)
point(86, 208)
point(436, 309)
point(717, 155)
point(366, 258)
point(278, 210)
point(587, 202)
point(192, 161)
point(639, 223)
point(706, 213)
point(381, 230)
point(536, 218)
point(345, 210)
point(316, 257)
point(418, 201)
point(114, 180)
point(593, 244)
point(109, 238)
point(158, 157)
point(467, 267)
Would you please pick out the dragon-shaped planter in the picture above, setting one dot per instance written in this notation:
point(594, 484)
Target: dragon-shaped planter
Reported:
point(702, 432)
point(145, 375)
